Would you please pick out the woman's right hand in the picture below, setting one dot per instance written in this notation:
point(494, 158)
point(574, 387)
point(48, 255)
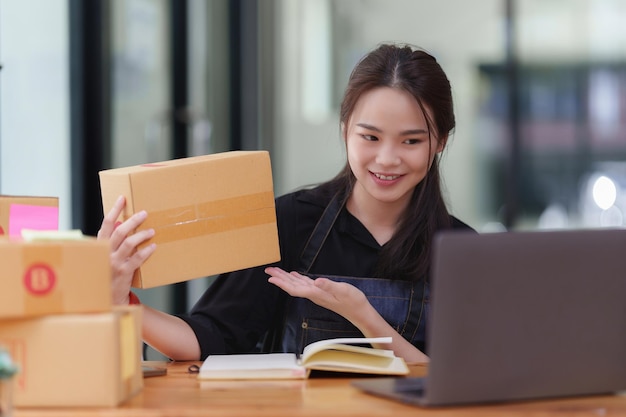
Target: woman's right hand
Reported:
point(166, 333)
point(125, 256)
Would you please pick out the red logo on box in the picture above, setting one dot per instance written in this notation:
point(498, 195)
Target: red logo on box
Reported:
point(39, 279)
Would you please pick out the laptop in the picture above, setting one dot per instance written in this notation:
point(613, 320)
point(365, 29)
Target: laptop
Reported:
point(520, 316)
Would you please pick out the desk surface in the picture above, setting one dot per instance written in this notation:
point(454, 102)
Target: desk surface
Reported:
point(180, 394)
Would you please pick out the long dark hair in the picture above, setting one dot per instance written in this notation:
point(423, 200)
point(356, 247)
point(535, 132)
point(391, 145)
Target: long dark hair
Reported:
point(407, 254)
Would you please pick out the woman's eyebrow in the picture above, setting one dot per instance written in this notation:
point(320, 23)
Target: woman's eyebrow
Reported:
point(403, 133)
point(369, 127)
point(414, 132)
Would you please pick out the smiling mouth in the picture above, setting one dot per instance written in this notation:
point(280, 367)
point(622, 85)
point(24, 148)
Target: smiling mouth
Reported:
point(386, 177)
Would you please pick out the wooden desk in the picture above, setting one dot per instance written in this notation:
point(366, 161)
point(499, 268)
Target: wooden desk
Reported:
point(180, 394)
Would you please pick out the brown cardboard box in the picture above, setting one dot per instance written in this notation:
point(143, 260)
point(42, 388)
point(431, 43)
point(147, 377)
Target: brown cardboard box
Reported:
point(68, 360)
point(18, 212)
point(211, 214)
point(54, 276)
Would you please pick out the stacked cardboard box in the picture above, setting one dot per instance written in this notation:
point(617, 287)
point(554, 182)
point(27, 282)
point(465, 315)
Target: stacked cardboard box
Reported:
point(68, 360)
point(56, 318)
point(25, 212)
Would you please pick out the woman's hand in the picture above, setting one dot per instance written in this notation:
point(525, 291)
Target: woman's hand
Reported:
point(342, 298)
point(125, 256)
point(351, 303)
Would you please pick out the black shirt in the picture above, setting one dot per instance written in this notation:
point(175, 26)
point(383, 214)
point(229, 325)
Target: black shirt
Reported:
point(239, 307)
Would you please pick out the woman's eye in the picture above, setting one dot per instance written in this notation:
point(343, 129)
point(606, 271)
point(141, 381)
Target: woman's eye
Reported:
point(412, 141)
point(369, 137)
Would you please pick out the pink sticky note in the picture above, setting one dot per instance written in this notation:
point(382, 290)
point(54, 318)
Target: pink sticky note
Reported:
point(25, 216)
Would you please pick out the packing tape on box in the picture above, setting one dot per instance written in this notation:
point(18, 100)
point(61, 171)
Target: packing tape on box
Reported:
point(41, 266)
point(211, 217)
point(203, 227)
point(209, 209)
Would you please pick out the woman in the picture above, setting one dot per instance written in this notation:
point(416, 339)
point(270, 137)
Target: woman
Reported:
point(357, 247)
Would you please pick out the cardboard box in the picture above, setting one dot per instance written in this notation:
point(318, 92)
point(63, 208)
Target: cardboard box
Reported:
point(211, 214)
point(54, 276)
point(22, 212)
point(71, 360)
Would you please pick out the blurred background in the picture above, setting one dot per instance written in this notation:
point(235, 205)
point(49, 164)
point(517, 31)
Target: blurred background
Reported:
point(539, 89)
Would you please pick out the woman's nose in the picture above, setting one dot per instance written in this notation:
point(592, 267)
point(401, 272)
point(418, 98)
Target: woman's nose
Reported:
point(388, 155)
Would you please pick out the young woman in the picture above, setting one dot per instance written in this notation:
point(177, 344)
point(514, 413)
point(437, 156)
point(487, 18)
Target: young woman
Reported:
point(355, 251)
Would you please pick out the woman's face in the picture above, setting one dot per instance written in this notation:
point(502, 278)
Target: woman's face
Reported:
point(388, 146)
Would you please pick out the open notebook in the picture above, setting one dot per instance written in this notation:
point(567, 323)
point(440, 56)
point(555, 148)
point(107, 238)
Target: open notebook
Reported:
point(336, 355)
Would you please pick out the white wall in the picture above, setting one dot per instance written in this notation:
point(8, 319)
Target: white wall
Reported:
point(34, 101)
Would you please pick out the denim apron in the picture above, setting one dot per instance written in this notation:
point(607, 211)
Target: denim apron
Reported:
point(403, 304)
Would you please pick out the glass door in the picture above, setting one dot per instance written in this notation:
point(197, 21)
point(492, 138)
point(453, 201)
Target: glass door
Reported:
point(169, 87)
point(141, 82)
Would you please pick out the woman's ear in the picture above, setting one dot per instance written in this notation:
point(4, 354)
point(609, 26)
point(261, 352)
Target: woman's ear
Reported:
point(441, 143)
point(343, 130)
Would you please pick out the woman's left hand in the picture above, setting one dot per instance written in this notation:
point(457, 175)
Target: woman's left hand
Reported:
point(351, 303)
point(342, 298)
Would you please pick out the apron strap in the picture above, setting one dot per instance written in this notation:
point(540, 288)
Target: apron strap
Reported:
point(321, 231)
point(273, 340)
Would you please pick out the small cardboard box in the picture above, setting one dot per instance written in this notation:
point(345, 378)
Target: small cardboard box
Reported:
point(23, 212)
point(69, 360)
point(54, 276)
point(211, 214)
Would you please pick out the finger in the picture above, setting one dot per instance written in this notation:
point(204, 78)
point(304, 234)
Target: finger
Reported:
point(110, 220)
point(280, 283)
point(120, 233)
point(293, 279)
point(282, 279)
point(123, 270)
point(275, 271)
point(290, 288)
point(129, 245)
point(140, 256)
point(279, 273)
